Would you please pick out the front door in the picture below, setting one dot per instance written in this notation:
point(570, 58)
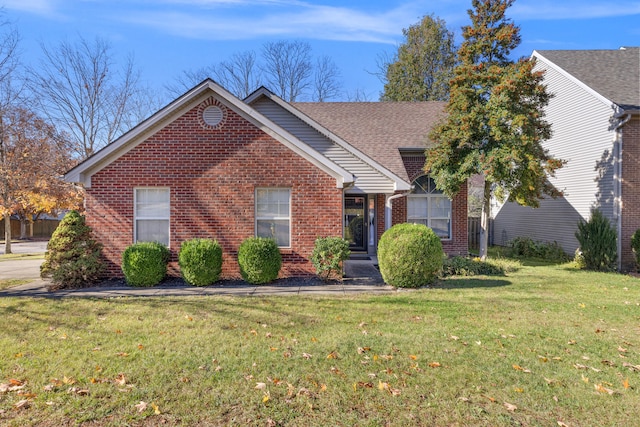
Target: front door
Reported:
point(356, 222)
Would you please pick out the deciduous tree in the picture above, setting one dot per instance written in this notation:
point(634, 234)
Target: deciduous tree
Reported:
point(80, 89)
point(423, 65)
point(495, 124)
point(31, 160)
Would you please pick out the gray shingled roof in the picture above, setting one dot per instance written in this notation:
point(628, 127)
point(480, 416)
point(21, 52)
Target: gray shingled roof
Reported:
point(378, 129)
point(614, 74)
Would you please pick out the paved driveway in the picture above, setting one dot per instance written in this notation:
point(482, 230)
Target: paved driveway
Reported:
point(22, 268)
point(27, 247)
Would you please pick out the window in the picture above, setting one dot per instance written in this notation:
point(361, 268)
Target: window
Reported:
point(427, 205)
point(273, 214)
point(151, 215)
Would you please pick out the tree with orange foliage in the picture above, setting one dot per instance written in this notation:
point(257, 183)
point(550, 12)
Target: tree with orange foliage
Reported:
point(32, 158)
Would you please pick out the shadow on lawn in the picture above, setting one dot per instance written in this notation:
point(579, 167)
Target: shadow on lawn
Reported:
point(468, 283)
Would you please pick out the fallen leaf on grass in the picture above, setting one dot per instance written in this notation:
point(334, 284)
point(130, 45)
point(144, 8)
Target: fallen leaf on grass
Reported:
point(635, 368)
point(602, 389)
point(260, 386)
point(141, 407)
point(307, 356)
point(520, 368)
point(23, 404)
point(561, 424)
point(625, 383)
point(120, 379)
point(510, 407)
point(156, 410)
point(79, 391)
point(435, 365)
point(332, 355)
point(362, 350)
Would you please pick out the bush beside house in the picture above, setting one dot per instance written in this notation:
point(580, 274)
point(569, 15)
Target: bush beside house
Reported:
point(410, 255)
point(259, 259)
point(145, 264)
point(200, 261)
point(72, 259)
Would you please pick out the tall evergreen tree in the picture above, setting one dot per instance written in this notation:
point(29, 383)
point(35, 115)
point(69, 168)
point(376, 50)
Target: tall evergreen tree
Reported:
point(495, 124)
point(423, 65)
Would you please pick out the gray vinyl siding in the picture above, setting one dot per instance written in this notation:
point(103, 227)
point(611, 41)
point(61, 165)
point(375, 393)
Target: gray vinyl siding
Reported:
point(581, 137)
point(368, 179)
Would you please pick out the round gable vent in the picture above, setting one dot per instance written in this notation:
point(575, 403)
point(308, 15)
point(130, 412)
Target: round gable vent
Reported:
point(212, 115)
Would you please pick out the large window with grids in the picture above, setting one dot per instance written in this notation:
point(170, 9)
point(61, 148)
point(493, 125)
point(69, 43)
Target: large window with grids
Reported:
point(273, 215)
point(151, 215)
point(429, 206)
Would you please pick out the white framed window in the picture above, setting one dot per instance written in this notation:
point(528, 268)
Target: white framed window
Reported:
point(273, 214)
point(151, 215)
point(429, 206)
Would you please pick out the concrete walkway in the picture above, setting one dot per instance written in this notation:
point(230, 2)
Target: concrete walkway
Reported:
point(360, 277)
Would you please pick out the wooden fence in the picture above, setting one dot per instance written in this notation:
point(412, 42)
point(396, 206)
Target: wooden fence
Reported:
point(41, 228)
point(474, 232)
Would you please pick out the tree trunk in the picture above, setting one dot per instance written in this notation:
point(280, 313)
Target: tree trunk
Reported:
point(23, 228)
point(7, 234)
point(484, 221)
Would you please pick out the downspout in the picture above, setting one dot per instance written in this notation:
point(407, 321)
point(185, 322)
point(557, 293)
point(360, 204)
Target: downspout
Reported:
point(388, 207)
point(623, 118)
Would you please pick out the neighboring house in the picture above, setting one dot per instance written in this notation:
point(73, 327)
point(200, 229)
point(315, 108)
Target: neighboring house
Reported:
point(211, 165)
point(595, 117)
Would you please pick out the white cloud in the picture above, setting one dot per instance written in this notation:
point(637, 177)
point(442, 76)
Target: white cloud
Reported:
point(573, 9)
point(39, 7)
point(278, 18)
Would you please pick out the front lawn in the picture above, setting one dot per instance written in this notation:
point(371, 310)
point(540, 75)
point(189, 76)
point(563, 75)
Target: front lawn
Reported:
point(545, 346)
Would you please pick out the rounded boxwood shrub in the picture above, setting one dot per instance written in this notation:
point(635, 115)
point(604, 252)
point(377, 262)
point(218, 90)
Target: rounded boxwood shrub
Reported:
point(410, 255)
point(328, 255)
point(145, 264)
point(259, 259)
point(200, 261)
point(72, 259)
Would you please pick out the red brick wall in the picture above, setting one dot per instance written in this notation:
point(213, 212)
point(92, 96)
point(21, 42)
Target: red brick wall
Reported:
point(212, 176)
point(630, 189)
point(458, 244)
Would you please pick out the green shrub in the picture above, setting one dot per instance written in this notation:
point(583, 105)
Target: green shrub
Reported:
point(259, 259)
point(410, 255)
point(463, 266)
point(200, 261)
point(145, 264)
point(525, 247)
point(72, 259)
point(328, 255)
point(635, 246)
point(597, 240)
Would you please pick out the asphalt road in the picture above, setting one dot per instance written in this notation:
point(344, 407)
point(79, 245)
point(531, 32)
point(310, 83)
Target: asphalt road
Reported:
point(22, 268)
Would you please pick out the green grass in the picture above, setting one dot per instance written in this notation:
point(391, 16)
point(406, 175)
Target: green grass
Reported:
point(5, 257)
point(550, 340)
point(9, 283)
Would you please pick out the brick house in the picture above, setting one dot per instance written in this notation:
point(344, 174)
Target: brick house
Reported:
point(212, 165)
point(595, 119)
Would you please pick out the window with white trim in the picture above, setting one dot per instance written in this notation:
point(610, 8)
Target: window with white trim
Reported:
point(151, 215)
point(429, 206)
point(273, 215)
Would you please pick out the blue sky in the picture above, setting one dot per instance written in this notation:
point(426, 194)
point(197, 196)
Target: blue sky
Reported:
point(168, 36)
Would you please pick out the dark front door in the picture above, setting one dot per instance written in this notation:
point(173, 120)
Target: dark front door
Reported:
point(355, 222)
